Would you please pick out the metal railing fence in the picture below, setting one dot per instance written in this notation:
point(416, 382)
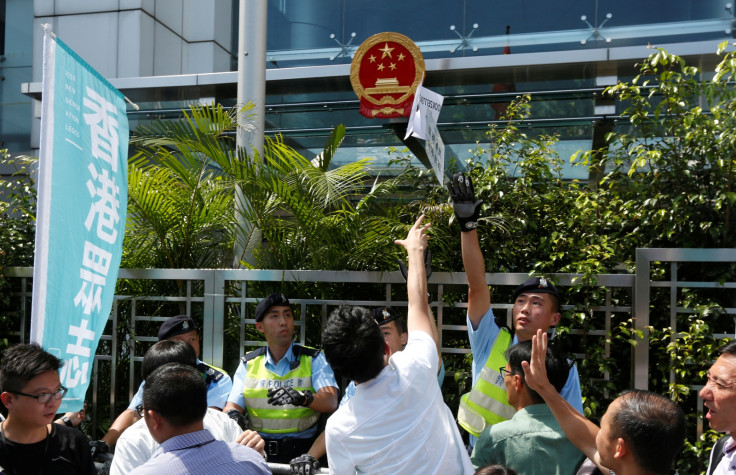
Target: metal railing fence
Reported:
point(224, 300)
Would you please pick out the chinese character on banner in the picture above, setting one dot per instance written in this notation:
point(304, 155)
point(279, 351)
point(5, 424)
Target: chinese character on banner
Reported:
point(82, 200)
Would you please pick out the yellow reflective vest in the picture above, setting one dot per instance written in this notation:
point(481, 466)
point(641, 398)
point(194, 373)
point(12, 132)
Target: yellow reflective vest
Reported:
point(487, 403)
point(270, 419)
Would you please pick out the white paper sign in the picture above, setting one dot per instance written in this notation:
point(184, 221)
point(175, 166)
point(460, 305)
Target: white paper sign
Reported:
point(425, 112)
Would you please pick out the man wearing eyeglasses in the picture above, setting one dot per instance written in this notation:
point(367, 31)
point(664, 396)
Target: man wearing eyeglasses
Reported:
point(531, 441)
point(719, 396)
point(536, 306)
point(29, 440)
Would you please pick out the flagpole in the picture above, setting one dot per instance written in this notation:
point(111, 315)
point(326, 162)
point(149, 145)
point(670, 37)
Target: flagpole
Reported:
point(252, 29)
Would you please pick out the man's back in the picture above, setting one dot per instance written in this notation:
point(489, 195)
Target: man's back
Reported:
point(199, 453)
point(532, 442)
point(398, 422)
point(136, 445)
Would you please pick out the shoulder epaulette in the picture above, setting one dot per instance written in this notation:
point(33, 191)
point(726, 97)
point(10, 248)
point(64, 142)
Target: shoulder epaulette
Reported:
point(253, 354)
point(210, 374)
point(305, 350)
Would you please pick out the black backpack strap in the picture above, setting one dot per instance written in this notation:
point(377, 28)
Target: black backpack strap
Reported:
point(253, 354)
point(210, 374)
point(300, 350)
point(717, 453)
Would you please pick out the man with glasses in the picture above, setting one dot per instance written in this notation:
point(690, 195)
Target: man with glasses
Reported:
point(532, 440)
point(29, 440)
point(719, 396)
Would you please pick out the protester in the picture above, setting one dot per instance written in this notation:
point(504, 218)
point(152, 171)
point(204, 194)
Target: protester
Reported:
point(532, 440)
point(136, 445)
point(30, 443)
point(536, 306)
point(178, 328)
point(719, 397)
point(282, 387)
point(641, 432)
point(397, 422)
point(174, 406)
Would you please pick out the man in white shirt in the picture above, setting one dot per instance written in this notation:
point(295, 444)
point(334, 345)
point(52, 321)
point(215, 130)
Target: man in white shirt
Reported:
point(136, 445)
point(397, 422)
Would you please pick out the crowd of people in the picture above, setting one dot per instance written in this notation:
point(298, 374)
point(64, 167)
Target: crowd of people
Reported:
point(523, 414)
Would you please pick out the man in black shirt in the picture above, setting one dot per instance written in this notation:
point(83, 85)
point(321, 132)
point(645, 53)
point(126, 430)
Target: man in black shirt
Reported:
point(29, 440)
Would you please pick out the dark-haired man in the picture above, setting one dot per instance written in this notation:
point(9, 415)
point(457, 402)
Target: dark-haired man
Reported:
point(282, 387)
point(29, 441)
point(536, 306)
point(532, 440)
point(219, 384)
point(174, 406)
point(397, 422)
point(719, 396)
point(136, 445)
point(641, 432)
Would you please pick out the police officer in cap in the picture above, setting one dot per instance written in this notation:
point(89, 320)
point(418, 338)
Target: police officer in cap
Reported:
point(282, 388)
point(536, 306)
point(219, 384)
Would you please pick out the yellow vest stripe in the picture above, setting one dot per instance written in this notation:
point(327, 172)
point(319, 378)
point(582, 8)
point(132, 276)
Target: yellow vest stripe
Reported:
point(487, 402)
point(267, 418)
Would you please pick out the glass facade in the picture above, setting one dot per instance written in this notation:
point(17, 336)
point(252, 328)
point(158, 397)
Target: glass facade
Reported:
point(318, 32)
point(15, 69)
point(556, 56)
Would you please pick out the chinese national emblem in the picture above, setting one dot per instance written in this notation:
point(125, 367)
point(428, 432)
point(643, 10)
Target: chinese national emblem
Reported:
point(386, 71)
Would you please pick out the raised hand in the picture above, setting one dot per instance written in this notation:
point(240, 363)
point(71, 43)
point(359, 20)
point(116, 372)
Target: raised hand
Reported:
point(466, 207)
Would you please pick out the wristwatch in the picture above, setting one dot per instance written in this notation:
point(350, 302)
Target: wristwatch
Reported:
point(67, 422)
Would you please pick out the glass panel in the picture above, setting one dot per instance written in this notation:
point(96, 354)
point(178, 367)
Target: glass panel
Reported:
point(328, 31)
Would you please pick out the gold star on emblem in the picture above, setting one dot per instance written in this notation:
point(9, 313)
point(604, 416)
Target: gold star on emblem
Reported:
point(401, 56)
point(372, 58)
point(392, 66)
point(385, 50)
point(380, 67)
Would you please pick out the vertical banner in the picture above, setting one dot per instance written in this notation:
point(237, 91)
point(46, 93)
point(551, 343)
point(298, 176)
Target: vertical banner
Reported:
point(82, 199)
point(423, 124)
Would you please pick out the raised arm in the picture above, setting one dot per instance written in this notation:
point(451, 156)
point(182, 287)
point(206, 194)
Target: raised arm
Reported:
point(418, 318)
point(467, 211)
point(579, 430)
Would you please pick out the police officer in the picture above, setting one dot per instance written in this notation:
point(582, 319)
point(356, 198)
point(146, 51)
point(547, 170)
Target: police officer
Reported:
point(536, 306)
point(283, 387)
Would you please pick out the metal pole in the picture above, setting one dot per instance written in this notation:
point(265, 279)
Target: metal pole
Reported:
point(252, 29)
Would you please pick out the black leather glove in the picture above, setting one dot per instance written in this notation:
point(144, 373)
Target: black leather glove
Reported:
point(98, 447)
point(427, 265)
point(466, 208)
point(304, 465)
point(238, 417)
point(283, 396)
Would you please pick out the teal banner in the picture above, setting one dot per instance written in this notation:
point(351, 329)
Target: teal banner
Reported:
point(81, 213)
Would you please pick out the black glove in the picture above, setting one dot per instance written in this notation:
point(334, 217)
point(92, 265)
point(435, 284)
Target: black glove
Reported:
point(304, 465)
point(466, 208)
point(283, 396)
point(427, 265)
point(238, 417)
point(98, 447)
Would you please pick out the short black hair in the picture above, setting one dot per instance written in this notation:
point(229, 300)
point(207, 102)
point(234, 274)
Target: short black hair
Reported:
point(178, 392)
point(353, 343)
point(558, 368)
point(168, 351)
point(495, 469)
point(653, 426)
point(23, 362)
